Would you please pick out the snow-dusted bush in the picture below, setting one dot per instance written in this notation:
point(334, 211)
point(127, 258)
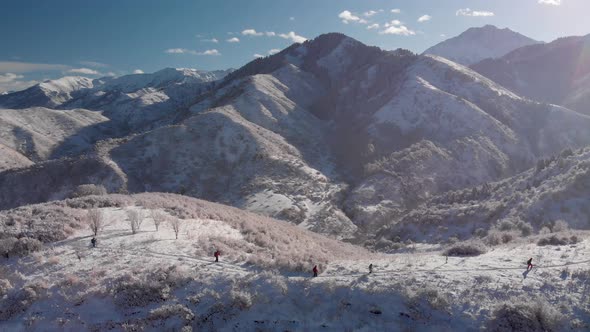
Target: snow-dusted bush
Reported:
point(465, 249)
point(136, 292)
point(5, 286)
point(20, 247)
point(158, 218)
point(176, 225)
point(95, 221)
point(241, 298)
point(583, 275)
point(527, 315)
point(555, 240)
point(17, 301)
point(88, 190)
point(171, 311)
point(143, 289)
point(135, 220)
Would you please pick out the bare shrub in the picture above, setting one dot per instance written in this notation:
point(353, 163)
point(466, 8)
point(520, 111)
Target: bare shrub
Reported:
point(528, 315)
point(171, 311)
point(88, 190)
point(465, 250)
point(583, 275)
point(5, 286)
point(135, 220)
point(134, 292)
point(560, 226)
point(95, 221)
point(555, 240)
point(158, 217)
point(19, 247)
point(176, 224)
point(18, 301)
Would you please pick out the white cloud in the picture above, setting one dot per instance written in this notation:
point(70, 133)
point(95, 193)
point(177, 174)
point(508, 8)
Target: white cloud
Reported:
point(210, 52)
point(392, 23)
point(193, 52)
point(396, 11)
point(138, 71)
point(396, 27)
point(25, 67)
point(84, 71)
point(293, 36)
point(550, 2)
point(347, 17)
point(291, 18)
point(424, 18)
point(93, 64)
point(370, 13)
point(270, 34)
point(233, 40)
point(256, 55)
point(373, 26)
point(474, 13)
point(274, 51)
point(251, 32)
point(9, 77)
point(176, 51)
point(13, 82)
point(212, 40)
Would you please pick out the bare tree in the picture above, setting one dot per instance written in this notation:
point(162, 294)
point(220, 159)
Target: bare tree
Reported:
point(135, 219)
point(176, 224)
point(95, 221)
point(158, 217)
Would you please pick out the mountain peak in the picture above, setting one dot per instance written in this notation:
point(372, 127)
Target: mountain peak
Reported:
point(478, 43)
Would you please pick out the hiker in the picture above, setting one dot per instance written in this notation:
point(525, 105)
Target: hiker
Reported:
point(93, 241)
point(529, 264)
point(315, 271)
point(217, 254)
point(371, 268)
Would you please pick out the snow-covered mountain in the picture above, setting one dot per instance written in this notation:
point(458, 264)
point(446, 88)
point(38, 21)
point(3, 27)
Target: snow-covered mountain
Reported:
point(331, 134)
point(132, 101)
point(41, 133)
point(548, 197)
point(556, 72)
point(476, 44)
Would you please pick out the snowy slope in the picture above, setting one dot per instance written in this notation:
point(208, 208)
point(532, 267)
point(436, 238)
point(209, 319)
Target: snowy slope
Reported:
point(9, 158)
point(42, 133)
point(564, 79)
point(152, 281)
point(330, 134)
point(476, 44)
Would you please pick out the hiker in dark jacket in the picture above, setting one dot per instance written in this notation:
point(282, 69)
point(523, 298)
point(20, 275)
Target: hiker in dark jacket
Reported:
point(529, 264)
point(370, 268)
point(315, 271)
point(217, 254)
point(93, 242)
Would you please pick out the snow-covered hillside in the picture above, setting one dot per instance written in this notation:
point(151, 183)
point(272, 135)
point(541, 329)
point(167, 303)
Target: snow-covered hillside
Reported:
point(40, 133)
point(477, 44)
point(330, 134)
point(133, 101)
point(155, 280)
point(564, 78)
point(554, 194)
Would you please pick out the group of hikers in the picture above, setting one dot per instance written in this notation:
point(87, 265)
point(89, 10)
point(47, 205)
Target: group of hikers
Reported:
point(315, 270)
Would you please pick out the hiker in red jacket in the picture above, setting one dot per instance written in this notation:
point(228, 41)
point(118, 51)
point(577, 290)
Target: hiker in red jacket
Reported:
point(529, 264)
point(217, 254)
point(315, 271)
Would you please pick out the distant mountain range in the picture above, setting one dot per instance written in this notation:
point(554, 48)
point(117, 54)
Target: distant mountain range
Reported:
point(556, 72)
point(333, 135)
point(477, 44)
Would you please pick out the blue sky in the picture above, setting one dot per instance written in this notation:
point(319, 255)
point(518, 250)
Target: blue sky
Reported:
point(47, 39)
